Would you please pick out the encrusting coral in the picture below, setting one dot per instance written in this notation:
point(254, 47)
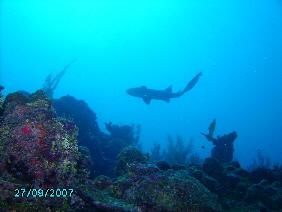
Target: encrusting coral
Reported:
point(36, 148)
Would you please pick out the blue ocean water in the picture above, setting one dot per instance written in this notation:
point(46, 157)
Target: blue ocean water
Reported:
point(120, 44)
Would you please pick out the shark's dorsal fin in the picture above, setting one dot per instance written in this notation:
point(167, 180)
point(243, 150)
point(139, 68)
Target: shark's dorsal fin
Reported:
point(147, 100)
point(169, 89)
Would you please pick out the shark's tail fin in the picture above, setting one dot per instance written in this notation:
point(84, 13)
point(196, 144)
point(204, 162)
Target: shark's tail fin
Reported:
point(188, 87)
point(192, 83)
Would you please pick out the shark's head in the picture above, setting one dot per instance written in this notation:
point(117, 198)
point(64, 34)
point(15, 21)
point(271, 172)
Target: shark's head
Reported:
point(137, 92)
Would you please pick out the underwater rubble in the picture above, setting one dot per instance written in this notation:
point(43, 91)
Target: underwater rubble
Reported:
point(57, 144)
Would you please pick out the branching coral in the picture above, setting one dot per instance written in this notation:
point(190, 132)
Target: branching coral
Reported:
point(177, 152)
point(156, 154)
point(261, 161)
point(51, 84)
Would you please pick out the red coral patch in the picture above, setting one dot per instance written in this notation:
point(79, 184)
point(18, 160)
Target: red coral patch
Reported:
point(26, 130)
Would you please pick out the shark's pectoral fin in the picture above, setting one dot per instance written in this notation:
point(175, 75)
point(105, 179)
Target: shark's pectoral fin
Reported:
point(147, 100)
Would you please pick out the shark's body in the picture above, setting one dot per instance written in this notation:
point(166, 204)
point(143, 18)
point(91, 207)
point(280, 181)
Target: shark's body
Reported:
point(148, 94)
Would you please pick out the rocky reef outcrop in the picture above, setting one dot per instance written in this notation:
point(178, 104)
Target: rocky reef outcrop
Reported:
point(147, 187)
point(103, 147)
point(37, 149)
point(235, 187)
point(35, 146)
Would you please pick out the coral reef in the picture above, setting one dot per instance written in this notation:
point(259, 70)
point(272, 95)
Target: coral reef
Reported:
point(41, 148)
point(165, 191)
point(223, 145)
point(235, 188)
point(36, 148)
point(156, 154)
point(220, 186)
point(51, 84)
point(89, 134)
point(143, 184)
point(261, 161)
point(223, 149)
point(121, 137)
point(126, 157)
point(103, 148)
point(177, 152)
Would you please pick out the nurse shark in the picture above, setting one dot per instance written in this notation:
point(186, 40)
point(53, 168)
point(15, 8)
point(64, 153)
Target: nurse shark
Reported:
point(148, 94)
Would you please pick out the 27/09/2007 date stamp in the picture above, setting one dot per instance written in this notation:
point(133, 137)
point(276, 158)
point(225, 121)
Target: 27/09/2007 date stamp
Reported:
point(43, 193)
